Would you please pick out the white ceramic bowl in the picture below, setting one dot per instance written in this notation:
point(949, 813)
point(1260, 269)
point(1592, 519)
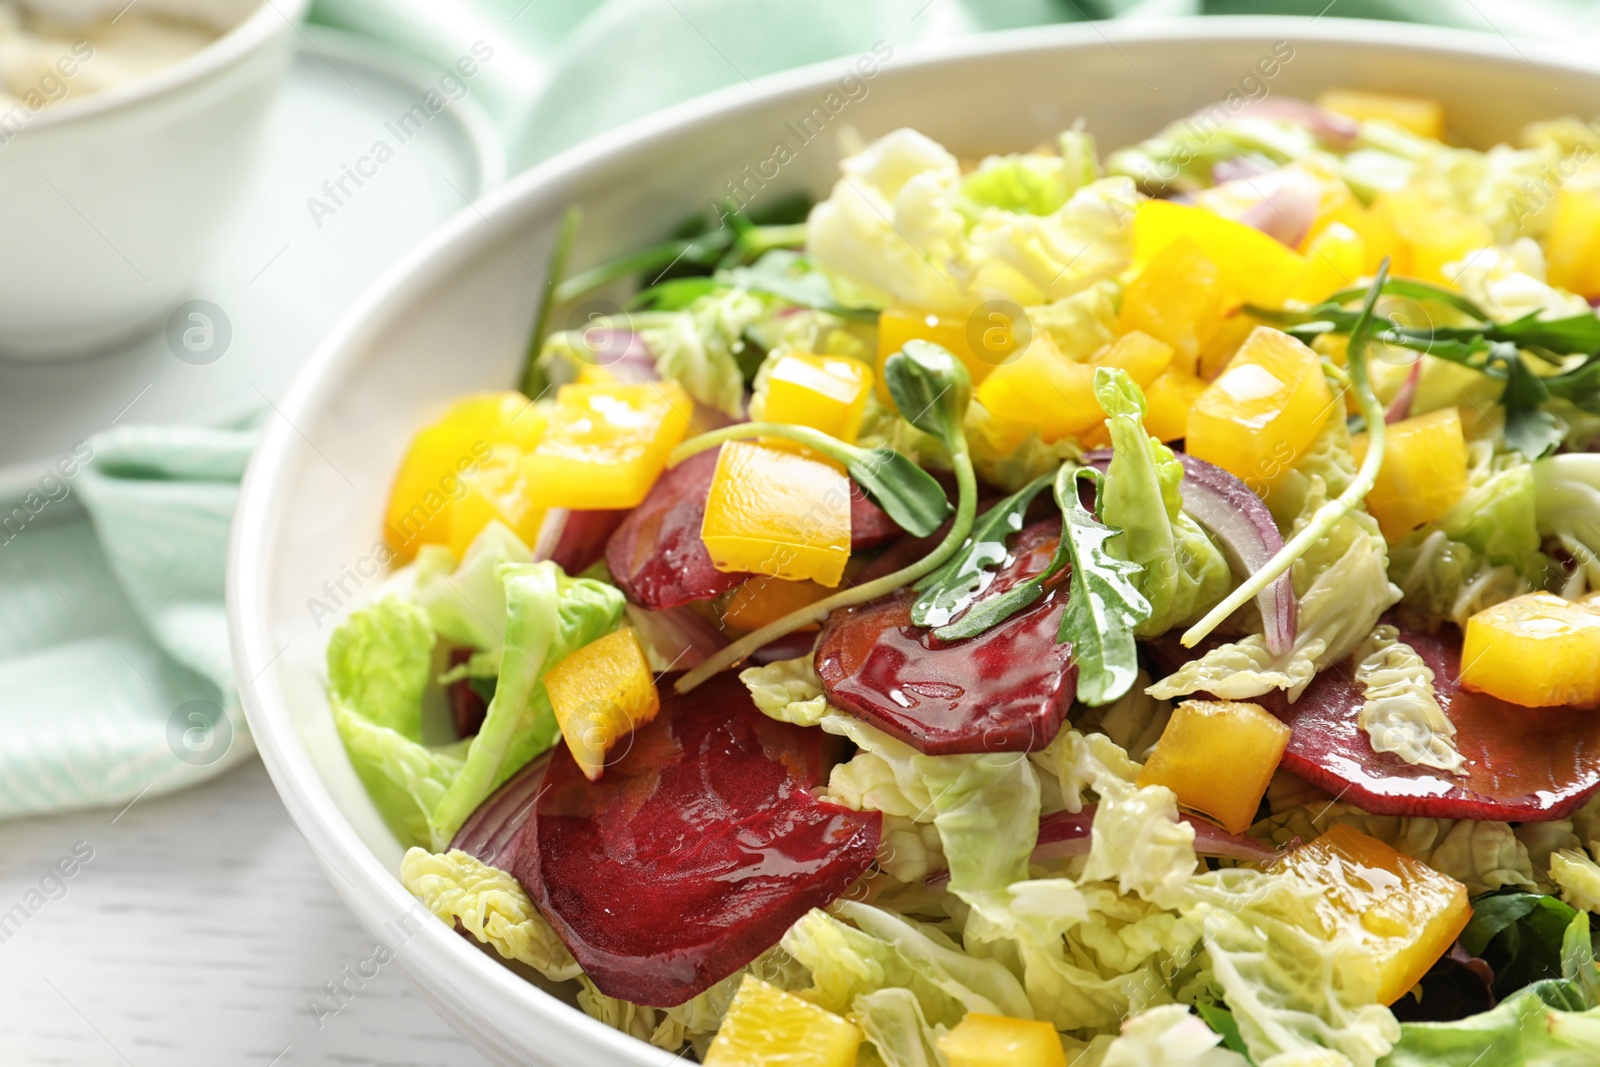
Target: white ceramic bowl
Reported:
point(108, 201)
point(453, 318)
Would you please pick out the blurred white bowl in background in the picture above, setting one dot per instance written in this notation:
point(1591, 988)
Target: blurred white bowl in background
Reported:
point(109, 201)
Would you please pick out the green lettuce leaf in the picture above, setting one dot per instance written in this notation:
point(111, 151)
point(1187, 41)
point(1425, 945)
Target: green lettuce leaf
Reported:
point(405, 779)
point(466, 603)
point(1179, 159)
point(1184, 574)
point(548, 615)
point(1520, 936)
point(379, 661)
point(1169, 1036)
point(1034, 183)
point(1551, 1023)
point(1578, 878)
point(900, 1034)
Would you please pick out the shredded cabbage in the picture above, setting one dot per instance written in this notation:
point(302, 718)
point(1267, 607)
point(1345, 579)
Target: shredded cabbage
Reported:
point(490, 905)
point(1578, 877)
point(1399, 710)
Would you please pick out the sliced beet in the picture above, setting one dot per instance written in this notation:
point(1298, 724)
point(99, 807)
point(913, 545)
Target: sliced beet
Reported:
point(467, 706)
point(1006, 690)
point(583, 539)
point(870, 525)
point(1523, 764)
point(656, 556)
point(696, 849)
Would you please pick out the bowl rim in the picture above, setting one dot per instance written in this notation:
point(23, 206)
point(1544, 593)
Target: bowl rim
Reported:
point(368, 886)
point(254, 32)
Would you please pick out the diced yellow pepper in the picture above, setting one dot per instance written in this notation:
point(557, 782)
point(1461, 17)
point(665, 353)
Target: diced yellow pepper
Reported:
point(497, 489)
point(1143, 357)
point(899, 323)
point(607, 444)
point(1167, 403)
point(1177, 298)
point(601, 693)
point(1431, 235)
point(778, 514)
point(827, 393)
point(1536, 650)
point(1052, 395)
point(1335, 259)
point(1220, 350)
point(1572, 247)
point(1424, 471)
point(1262, 413)
point(1218, 756)
point(1256, 269)
point(997, 1041)
point(429, 480)
point(762, 600)
point(1418, 114)
point(766, 1026)
point(1043, 391)
point(1403, 913)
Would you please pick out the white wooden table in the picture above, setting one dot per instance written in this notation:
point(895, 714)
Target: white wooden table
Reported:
point(197, 934)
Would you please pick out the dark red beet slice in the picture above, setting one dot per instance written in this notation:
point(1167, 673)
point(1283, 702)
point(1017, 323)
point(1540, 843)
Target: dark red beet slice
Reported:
point(467, 708)
point(1523, 764)
point(1006, 690)
point(583, 539)
point(695, 851)
point(870, 525)
point(656, 556)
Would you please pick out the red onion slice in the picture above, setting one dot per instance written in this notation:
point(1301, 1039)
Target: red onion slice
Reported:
point(583, 537)
point(681, 635)
point(1400, 409)
point(491, 833)
point(1329, 127)
point(1244, 529)
point(1066, 833)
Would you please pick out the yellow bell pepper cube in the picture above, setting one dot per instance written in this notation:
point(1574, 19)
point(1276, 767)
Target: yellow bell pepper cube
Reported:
point(1335, 259)
point(428, 482)
point(1043, 391)
point(1424, 471)
point(1262, 413)
point(1403, 913)
point(1572, 247)
point(601, 693)
point(1046, 392)
point(1168, 401)
point(827, 393)
point(1222, 347)
point(996, 338)
point(497, 489)
point(1177, 298)
point(762, 600)
point(766, 1026)
point(997, 1041)
point(1421, 116)
point(1431, 236)
point(607, 444)
point(1255, 268)
point(1218, 757)
point(1536, 650)
point(778, 514)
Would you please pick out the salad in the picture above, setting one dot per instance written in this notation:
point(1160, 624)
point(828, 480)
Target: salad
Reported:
point(1037, 610)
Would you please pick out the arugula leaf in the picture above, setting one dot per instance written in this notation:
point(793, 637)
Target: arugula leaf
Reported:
point(931, 389)
point(1576, 333)
point(533, 379)
point(789, 275)
point(1221, 1021)
point(1529, 429)
point(675, 294)
point(1104, 607)
point(1519, 935)
point(952, 587)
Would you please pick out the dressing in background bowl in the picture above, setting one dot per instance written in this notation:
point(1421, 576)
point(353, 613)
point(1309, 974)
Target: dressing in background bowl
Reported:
point(453, 318)
point(109, 199)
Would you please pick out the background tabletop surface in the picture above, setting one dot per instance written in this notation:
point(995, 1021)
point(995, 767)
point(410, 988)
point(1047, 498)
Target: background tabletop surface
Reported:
point(197, 934)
